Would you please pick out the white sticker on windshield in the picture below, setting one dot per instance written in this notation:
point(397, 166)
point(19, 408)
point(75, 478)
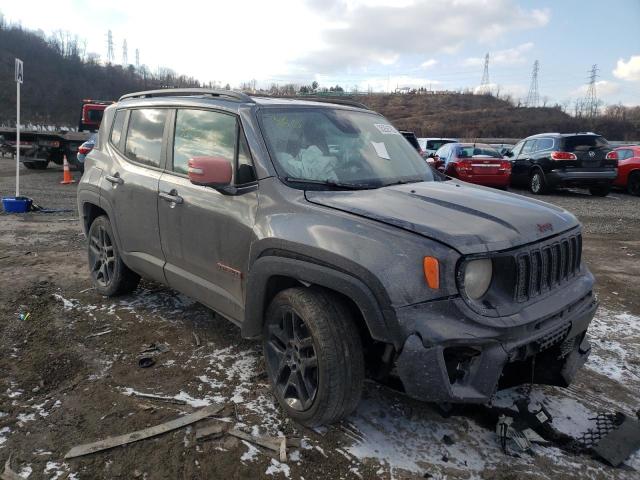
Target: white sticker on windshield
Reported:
point(386, 129)
point(381, 150)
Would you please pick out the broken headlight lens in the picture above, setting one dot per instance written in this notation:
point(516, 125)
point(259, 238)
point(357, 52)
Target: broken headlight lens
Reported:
point(477, 277)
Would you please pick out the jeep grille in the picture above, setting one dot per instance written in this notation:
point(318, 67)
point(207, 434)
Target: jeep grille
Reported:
point(541, 268)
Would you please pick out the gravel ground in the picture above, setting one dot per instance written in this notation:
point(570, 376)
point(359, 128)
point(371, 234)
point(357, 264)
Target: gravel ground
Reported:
point(60, 385)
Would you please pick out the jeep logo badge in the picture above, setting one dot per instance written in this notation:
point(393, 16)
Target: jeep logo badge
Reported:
point(544, 227)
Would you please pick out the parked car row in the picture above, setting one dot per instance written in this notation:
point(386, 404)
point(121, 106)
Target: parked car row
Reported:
point(540, 162)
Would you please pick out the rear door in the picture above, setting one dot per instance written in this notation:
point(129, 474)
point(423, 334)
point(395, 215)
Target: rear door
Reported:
point(206, 235)
point(590, 150)
point(130, 186)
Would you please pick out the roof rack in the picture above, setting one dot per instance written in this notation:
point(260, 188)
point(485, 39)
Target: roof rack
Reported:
point(338, 101)
point(185, 92)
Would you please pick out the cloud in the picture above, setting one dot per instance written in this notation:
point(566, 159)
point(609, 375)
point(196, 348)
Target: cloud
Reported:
point(428, 63)
point(629, 70)
point(362, 36)
point(502, 57)
point(603, 88)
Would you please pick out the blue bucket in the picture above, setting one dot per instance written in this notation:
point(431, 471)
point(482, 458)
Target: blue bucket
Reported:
point(16, 204)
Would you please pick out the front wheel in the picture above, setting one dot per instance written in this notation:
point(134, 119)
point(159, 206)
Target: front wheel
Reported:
point(600, 190)
point(313, 355)
point(633, 184)
point(109, 273)
point(537, 183)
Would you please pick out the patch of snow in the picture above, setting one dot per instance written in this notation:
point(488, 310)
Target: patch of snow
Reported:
point(26, 417)
point(25, 471)
point(251, 454)
point(67, 304)
point(3, 438)
point(277, 467)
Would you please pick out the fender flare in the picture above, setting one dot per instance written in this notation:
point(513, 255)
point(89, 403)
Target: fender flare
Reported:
point(267, 267)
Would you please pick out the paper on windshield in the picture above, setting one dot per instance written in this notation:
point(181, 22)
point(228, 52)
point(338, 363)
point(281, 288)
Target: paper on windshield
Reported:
point(381, 150)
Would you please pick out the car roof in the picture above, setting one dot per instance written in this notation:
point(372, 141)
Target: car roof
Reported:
point(562, 135)
point(229, 99)
point(438, 138)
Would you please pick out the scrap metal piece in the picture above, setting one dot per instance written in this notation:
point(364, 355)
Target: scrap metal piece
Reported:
point(112, 442)
point(616, 446)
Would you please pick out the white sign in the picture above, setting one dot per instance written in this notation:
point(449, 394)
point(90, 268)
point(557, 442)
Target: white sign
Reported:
point(19, 71)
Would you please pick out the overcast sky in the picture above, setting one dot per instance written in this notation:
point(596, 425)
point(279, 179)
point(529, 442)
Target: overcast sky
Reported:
point(377, 44)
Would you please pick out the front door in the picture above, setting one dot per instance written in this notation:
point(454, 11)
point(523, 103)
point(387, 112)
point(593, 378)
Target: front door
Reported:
point(206, 235)
point(131, 187)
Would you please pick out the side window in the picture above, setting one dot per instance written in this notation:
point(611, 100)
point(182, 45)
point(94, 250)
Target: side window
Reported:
point(516, 150)
point(245, 172)
point(624, 154)
point(203, 133)
point(144, 136)
point(116, 130)
point(544, 144)
point(529, 147)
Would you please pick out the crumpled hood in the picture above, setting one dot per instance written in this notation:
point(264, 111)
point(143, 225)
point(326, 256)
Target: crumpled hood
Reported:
point(469, 218)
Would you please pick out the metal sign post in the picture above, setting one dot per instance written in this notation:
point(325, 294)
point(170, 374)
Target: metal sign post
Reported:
point(19, 77)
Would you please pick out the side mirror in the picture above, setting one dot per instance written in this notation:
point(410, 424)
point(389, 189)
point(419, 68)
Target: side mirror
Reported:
point(507, 153)
point(432, 155)
point(213, 172)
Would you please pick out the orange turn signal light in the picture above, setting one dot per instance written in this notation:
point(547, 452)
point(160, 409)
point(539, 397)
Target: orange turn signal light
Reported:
point(432, 272)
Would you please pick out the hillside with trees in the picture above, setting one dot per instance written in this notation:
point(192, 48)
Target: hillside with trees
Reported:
point(59, 73)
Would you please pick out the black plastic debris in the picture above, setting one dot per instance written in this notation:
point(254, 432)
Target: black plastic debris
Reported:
point(146, 362)
point(619, 442)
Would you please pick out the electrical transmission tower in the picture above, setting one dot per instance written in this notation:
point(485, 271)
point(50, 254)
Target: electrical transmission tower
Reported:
point(484, 84)
point(137, 59)
point(591, 100)
point(533, 98)
point(125, 53)
point(109, 47)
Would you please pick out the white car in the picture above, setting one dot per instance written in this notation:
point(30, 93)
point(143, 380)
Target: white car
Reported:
point(430, 145)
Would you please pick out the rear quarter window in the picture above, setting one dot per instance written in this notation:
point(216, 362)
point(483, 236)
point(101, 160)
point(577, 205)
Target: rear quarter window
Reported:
point(116, 130)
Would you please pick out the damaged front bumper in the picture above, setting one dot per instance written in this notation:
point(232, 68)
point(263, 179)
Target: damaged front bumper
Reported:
point(448, 358)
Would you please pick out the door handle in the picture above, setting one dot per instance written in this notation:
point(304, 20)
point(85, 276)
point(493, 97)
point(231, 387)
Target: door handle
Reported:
point(172, 197)
point(114, 179)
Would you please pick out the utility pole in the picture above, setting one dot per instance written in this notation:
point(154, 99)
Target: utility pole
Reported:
point(137, 59)
point(109, 47)
point(533, 97)
point(591, 100)
point(125, 53)
point(484, 84)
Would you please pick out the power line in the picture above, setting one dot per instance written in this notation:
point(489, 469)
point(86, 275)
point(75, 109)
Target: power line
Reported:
point(109, 47)
point(125, 53)
point(484, 84)
point(591, 100)
point(533, 97)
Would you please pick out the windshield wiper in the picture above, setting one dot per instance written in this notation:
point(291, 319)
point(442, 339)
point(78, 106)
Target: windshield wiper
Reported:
point(403, 181)
point(331, 183)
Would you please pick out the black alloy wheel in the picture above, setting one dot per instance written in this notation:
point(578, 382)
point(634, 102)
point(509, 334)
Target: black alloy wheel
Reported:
point(292, 357)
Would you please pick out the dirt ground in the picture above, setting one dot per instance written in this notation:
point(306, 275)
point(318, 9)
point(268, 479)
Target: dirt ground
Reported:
point(62, 385)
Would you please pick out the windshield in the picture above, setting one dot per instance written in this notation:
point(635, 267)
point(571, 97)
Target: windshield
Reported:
point(469, 151)
point(340, 146)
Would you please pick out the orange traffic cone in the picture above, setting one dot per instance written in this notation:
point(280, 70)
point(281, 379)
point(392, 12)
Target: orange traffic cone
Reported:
point(66, 173)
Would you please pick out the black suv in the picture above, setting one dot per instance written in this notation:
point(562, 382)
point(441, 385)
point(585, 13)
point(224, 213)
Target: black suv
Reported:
point(549, 160)
point(318, 228)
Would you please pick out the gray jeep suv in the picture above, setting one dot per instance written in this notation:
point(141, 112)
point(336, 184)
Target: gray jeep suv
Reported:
point(317, 228)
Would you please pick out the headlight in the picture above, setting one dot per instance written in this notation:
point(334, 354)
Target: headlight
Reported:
point(477, 277)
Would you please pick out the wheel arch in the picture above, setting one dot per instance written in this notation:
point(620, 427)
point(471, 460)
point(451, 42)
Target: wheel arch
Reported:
point(271, 274)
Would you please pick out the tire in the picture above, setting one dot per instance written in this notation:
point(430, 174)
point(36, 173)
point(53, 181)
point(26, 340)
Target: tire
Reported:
point(537, 183)
point(633, 184)
point(36, 165)
point(109, 274)
point(600, 190)
point(329, 388)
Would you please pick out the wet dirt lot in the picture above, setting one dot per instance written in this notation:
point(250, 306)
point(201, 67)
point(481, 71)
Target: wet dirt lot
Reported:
point(61, 385)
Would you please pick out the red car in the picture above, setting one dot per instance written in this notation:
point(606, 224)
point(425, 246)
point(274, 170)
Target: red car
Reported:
point(474, 163)
point(629, 169)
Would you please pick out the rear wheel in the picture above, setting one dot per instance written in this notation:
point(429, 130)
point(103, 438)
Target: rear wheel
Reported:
point(36, 165)
point(109, 273)
point(633, 184)
point(600, 190)
point(314, 356)
point(537, 182)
